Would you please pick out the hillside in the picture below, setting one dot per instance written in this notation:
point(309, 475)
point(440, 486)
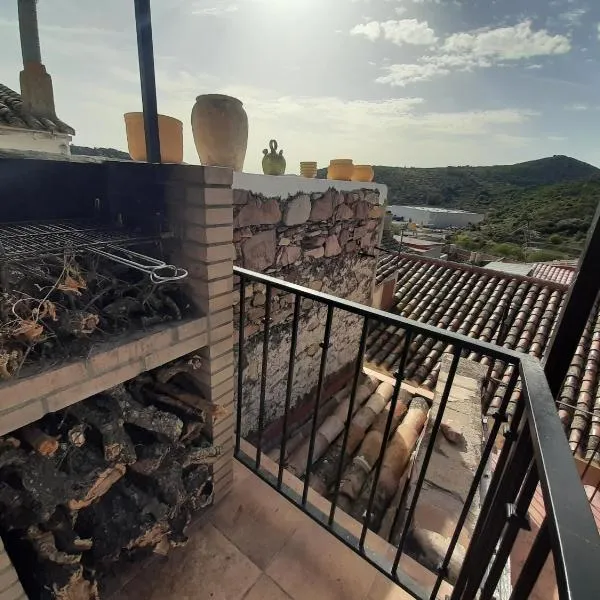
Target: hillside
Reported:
point(107, 152)
point(546, 204)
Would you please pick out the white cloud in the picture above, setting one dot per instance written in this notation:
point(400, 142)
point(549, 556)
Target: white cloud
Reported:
point(508, 43)
point(573, 17)
point(401, 75)
point(220, 10)
point(404, 31)
point(400, 10)
point(599, 31)
point(370, 30)
point(483, 48)
point(534, 66)
point(579, 107)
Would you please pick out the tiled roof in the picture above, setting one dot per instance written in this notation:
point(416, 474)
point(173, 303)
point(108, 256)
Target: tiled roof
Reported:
point(12, 114)
point(515, 312)
point(557, 272)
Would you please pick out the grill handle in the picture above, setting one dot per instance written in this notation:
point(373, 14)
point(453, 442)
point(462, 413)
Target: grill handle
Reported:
point(158, 270)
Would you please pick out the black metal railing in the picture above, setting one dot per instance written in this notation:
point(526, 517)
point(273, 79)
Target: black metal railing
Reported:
point(534, 450)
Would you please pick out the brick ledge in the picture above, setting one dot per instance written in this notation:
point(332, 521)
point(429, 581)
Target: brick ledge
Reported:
point(29, 398)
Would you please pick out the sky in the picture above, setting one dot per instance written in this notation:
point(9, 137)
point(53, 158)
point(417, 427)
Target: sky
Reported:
point(389, 82)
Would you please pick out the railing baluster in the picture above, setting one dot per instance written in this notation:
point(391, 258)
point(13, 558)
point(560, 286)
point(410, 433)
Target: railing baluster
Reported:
point(240, 369)
point(263, 373)
point(484, 514)
point(533, 565)
point(321, 381)
point(288, 391)
point(516, 521)
point(386, 435)
point(357, 371)
point(428, 452)
point(499, 418)
point(483, 546)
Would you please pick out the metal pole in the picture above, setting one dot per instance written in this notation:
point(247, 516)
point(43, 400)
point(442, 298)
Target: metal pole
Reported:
point(576, 310)
point(143, 26)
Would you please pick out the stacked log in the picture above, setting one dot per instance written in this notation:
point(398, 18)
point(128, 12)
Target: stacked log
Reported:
point(113, 477)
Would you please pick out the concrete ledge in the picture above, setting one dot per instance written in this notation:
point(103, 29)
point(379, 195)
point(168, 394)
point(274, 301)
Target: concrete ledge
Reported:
point(27, 399)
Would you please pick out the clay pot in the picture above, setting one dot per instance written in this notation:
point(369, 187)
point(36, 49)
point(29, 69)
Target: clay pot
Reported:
point(340, 169)
point(363, 173)
point(273, 162)
point(220, 126)
point(170, 134)
point(308, 169)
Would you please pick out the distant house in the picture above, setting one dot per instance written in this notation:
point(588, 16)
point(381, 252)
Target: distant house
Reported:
point(21, 129)
point(28, 120)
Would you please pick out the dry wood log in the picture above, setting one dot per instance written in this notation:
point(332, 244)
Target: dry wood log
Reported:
point(166, 373)
point(192, 399)
point(104, 481)
point(151, 457)
point(76, 435)
point(118, 447)
point(201, 456)
point(45, 547)
point(41, 442)
point(65, 582)
point(199, 486)
point(67, 539)
point(453, 436)
point(146, 417)
point(429, 549)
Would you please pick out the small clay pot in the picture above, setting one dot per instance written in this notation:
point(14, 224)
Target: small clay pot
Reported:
point(308, 169)
point(170, 134)
point(340, 169)
point(363, 173)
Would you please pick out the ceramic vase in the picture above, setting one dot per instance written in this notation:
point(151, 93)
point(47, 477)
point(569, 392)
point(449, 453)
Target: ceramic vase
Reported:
point(220, 127)
point(340, 169)
point(363, 173)
point(273, 162)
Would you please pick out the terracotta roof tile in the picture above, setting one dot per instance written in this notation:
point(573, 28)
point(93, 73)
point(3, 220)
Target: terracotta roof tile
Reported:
point(515, 312)
point(557, 272)
point(12, 114)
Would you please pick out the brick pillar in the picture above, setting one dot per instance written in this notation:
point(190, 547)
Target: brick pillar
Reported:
point(200, 210)
point(10, 586)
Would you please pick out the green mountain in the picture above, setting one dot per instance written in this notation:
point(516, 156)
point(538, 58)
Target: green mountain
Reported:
point(541, 207)
point(107, 152)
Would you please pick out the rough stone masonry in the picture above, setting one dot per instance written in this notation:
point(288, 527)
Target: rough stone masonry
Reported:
point(324, 241)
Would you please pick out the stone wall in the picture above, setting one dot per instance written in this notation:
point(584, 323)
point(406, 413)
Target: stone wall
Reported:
point(321, 240)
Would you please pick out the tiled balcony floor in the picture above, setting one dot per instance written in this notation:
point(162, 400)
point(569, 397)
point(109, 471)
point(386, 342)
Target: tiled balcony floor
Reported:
point(255, 545)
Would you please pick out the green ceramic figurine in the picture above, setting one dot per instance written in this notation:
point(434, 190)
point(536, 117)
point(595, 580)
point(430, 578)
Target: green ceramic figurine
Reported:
point(272, 162)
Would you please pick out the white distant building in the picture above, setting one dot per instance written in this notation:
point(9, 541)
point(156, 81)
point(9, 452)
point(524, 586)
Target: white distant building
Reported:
point(433, 216)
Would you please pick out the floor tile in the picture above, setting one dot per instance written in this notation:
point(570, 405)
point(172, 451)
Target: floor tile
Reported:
point(256, 519)
point(314, 565)
point(209, 567)
point(266, 589)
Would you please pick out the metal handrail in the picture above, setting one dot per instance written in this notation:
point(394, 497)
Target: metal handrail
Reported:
point(535, 451)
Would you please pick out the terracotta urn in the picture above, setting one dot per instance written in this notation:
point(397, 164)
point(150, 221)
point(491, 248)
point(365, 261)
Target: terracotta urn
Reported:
point(273, 162)
point(340, 169)
point(220, 127)
point(363, 173)
point(170, 134)
point(308, 169)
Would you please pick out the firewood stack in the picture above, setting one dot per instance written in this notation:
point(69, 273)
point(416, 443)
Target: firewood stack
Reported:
point(111, 478)
point(57, 308)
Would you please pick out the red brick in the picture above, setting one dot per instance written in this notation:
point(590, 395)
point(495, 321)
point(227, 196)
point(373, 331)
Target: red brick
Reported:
point(225, 400)
point(221, 318)
point(28, 388)
point(207, 253)
point(209, 271)
point(213, 305)
point(190, 329)
point(157, 359)
point(92, 386)
point(8, 578)
point(216, 334)
point(222, 425)
point(208, 235)
point(14, 592)
point(217, 349)
point(220, 390)
point(208, 216)
point(218, 196)
point(214, 365)
point(22, 415)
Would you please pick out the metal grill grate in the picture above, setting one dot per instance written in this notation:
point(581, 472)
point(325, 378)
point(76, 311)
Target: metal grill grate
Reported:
point(29, 240)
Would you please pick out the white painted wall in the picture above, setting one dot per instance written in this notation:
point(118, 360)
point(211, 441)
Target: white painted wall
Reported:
point(12, 138)
point(283, 186)
point(435, 218)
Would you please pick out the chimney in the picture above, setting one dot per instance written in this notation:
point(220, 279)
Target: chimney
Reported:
point(36, 84)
